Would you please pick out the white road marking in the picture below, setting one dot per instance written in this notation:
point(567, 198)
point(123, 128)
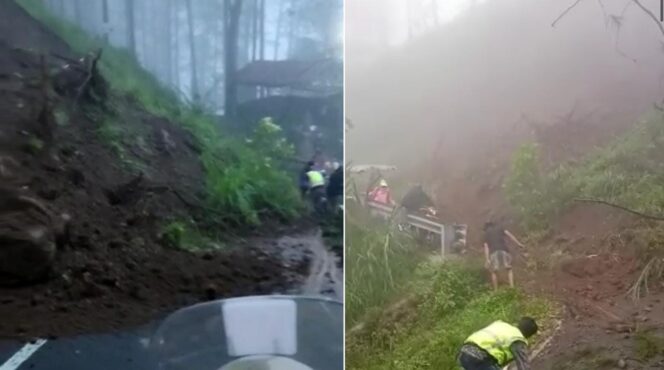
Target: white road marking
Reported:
point(22, 355)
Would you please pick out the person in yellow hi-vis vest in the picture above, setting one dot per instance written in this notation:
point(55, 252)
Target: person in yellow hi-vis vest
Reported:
point(316, 182)
point(497, 345)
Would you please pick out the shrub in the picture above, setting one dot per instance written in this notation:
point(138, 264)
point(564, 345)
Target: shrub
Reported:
point(629, 172)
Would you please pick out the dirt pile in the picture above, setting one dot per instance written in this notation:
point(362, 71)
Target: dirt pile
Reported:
point(589, 266)
point(113, 269)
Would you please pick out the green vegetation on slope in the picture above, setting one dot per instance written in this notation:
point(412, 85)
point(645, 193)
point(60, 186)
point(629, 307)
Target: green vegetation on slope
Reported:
point(408, 313)
point(378, 264)
point(244, 183)
point(629, 172)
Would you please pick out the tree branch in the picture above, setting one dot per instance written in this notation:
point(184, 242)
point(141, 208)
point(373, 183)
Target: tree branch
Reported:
point(651, 15)
point(553, 24)
point(643, 215)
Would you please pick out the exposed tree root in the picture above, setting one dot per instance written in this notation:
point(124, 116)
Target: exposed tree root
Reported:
point(653, 269)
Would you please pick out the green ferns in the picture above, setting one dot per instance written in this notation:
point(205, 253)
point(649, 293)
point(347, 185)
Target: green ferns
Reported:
point(244, 181)
point(248, 180)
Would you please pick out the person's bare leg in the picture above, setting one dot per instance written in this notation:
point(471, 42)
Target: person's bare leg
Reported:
point(510, 277)
point(494, 280)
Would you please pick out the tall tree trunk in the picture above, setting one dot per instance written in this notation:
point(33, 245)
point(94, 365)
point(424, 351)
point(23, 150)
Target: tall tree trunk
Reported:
point(168, 19)
point(277, 36)
point(168, 47)
point(261, 23)
point(150, 32)
point(291, 29)
point(231, 33)
point(244, 37)
point(131, 28)
point(77, 13)
point(254, 30)
point(105, 19)
point(192, 54)
point(176, 51)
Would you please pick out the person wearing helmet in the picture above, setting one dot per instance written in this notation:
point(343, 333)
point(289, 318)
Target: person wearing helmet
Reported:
point(381, 194)
point(497, 345)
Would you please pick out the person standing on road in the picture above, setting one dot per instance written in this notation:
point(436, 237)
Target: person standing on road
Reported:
point(497, 345)
point(496, 252)
point(316, 182)
point(335, 188)
point(304, 178)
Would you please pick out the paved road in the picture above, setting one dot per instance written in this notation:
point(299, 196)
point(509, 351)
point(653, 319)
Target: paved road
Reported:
point(197, 337)
point(105, 352)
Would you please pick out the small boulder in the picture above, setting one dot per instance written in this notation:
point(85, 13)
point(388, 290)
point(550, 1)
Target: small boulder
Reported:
point(29, 233)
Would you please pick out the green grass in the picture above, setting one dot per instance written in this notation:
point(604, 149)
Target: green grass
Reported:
point(447, 303)
point(183, 234)
point(404, 311)
point(629, 172)
point(244, 182)
point(648, 345)
point(378, 264)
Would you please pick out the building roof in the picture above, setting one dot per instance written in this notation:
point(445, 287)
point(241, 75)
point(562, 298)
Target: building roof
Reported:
point(315, 76)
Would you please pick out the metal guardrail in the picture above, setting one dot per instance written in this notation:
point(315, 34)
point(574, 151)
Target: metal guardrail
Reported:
point(421, 223)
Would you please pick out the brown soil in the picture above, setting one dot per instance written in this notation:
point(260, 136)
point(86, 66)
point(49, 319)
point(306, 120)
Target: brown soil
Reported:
point(590, 271)
point(588, 262)
point(114, 271)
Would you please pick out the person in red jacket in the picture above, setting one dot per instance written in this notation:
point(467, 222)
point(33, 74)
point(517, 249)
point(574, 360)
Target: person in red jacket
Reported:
point(381, 194)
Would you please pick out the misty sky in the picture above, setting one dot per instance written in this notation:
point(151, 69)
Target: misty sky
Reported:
point(381, 23)
point(484, 70)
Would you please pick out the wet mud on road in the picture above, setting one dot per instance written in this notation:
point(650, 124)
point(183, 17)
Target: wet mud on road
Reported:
point(312, 268)
point(318, 268)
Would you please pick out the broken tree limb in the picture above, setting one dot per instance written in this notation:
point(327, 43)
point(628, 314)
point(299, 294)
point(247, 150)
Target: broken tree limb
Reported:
point(553, 24)
point(651, 15)
point(65, 58)
point(91, 71)
point(637, 213)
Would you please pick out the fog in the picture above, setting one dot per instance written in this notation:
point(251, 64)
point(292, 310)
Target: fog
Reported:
point(451, 92)
point(234, 58)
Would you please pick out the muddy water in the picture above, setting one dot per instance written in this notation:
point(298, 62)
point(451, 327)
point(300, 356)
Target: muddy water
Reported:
point(324, 276)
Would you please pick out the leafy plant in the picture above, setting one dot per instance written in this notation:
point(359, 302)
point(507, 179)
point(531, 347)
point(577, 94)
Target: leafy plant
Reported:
point(173, 234)
point(628, 172)
point(185, 235)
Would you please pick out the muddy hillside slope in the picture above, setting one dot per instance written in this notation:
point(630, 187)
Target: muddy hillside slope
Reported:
point(80, 220)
